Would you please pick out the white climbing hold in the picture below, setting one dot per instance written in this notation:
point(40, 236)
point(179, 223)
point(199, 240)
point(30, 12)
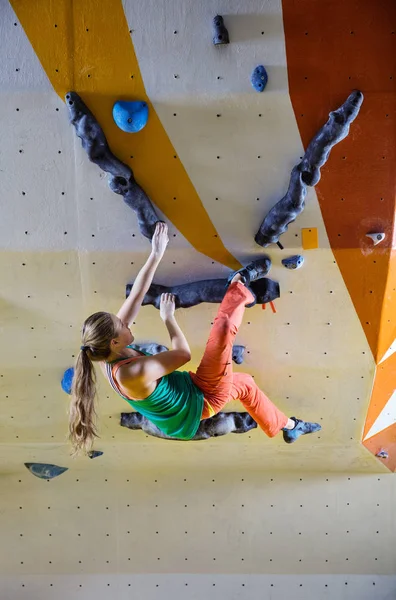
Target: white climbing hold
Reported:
point(376, 237)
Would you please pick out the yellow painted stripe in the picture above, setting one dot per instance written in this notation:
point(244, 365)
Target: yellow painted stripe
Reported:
point(309, 238)
point(86, 47)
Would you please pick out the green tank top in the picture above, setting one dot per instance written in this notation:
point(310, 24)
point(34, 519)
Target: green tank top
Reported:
point(175, 406)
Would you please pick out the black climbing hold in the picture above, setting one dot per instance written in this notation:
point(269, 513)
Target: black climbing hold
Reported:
point(333, 132)
point(307, 172)
point(220, 424)
point(220, 32)
point(284, 212)
point(207, 290)
point(121, 179)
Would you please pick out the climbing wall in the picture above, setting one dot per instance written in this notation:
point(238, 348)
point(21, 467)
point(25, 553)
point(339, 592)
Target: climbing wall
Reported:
point(240, 516)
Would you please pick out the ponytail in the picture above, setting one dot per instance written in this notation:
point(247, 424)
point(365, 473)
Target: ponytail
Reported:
point(97, 332)
point(83, 416)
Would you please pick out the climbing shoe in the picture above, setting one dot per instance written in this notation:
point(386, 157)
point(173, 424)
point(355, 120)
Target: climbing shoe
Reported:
point(254, 270)
point(301, 428)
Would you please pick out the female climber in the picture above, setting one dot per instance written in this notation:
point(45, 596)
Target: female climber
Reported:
point(176, 401)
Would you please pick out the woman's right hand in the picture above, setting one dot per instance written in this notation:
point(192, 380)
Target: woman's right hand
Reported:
point(167, 306)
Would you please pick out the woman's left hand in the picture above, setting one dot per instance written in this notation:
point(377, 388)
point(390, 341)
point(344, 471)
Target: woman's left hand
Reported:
point(160, 239)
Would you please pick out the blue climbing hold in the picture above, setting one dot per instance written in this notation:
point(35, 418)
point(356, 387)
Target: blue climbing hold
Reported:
point(45, 471)
point(130, 116)
point(67, 380)
point(259, 78)
point(293, 262)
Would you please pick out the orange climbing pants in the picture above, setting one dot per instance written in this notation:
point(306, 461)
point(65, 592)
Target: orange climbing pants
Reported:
point(215, 377)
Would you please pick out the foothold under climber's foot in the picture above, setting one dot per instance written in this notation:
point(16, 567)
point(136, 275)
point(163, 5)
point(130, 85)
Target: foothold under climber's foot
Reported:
point(220, 31)
point(301, 428)
point(45, 471)
point(376, 237)
point(254, 270)
point(293, 262)
point(207, 290)
point(259, 78)
point(130, 116)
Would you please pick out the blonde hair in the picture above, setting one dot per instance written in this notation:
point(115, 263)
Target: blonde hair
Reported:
point(97, 332)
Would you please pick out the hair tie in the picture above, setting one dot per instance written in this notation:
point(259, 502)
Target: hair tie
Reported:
point(84, 347)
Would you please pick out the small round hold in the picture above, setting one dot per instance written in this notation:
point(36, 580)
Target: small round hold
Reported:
point(259, 78)
point(293, 262)
point(67, 380)
point(376, 237)
point(130, 116)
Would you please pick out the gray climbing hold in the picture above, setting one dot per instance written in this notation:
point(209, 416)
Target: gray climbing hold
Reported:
point(238, 353)
point(151, 347)
point(220, 32)
point(208, 290)
point(307, 172)
point(284, 212)
point(44, 470)
point(333, 132)
point(130, 116)
point(121, 179)
point(259, 78)
point(293, 262)
point(95, 453)
point(220, 424)
point(154, 348)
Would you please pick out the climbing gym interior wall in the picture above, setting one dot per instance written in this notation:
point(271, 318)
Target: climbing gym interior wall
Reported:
point(237, 516)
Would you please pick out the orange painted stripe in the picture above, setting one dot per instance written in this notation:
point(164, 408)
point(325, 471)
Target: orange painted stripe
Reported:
point(86, 46)
point(332, 49)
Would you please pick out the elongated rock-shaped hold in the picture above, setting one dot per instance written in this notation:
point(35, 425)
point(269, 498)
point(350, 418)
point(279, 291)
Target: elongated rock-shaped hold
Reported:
point(220, 33)
point(207, 290)
point(307, 172)
point(335, 130)
point(121, 179)
point(221, 424)
point(284, 212)
point(44, 470)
